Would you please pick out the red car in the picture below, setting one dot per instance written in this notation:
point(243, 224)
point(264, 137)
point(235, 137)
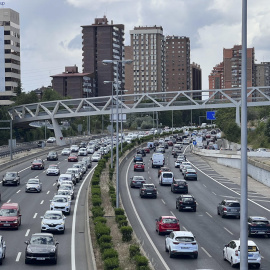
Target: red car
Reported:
point(139, 166)
point(167, 224)
point(170, 143)
point(146, 150)
point(37, 164)
point(10, 216)
point(73, 158)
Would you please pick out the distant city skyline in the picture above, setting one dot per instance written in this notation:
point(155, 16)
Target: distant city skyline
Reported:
point(54, 40)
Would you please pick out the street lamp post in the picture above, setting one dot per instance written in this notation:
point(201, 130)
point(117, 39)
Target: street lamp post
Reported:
point(122, 118)
point(105, 62)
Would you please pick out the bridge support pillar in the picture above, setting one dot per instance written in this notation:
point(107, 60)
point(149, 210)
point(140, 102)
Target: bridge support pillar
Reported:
point(237, 116)
point(58, 133)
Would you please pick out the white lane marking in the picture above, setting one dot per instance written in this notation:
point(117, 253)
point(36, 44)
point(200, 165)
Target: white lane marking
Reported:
point(27, 232)
point(142, 226)
point(8, 201)
point(149, 177)
point(261, 200)
point(54, 184)
point(172, 213)
point(42, 202)
point(1, 182)
point(204, 185)
point(206, 252)
point(163, 201)
point(208, 214)
point(214, 193)
point(36, 176)
point(18, 191)
point(18, 256)
point(228, 230)
point(35, 215)
point(48, 191)
point(185, 229)
point(24, 169)
point(73, 261)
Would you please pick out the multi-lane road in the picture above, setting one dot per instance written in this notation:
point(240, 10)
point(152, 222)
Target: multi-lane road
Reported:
point(212, 232)
point(73, 251)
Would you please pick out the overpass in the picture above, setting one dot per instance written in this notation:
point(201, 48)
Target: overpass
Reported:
point(135, 103)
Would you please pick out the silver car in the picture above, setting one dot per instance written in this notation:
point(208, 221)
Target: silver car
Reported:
point(77, 172)
point(69, 188)
point(229, 208)
point(53, 221)
point(33, 185)
point(61, 203)
point(2, 249)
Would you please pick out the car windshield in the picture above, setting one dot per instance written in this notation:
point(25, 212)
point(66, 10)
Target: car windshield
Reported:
point(37, 161)
point(138, 178)
point(261, 222)
point(179, 182)
point(41, 240)
point(188, 199)
point(53, 216)
point(53, 167)
point(10, 174)
point(66, 187)
point(232, 204)
point(62, 199)
point(51, 153)
point(64, 191)
point(169, 220)
point(8, 212)
point(167, 175)
point(63, 178)
point(149, 186)
point(33, 181)
point(184, 239)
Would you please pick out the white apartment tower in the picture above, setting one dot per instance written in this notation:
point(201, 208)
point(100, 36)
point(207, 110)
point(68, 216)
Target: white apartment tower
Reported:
point(148, 49)
point(10, 70)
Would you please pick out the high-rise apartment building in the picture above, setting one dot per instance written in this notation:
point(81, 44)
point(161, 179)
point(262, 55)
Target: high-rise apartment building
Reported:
point(196, 80)
point(177, 63)
point(216, 78)
point(148, 49)
point(10, 66)
point(103, 41)
point(262, 74)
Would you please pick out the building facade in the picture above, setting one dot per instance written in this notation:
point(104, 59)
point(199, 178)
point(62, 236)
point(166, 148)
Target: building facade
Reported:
point(73, 84)
point(262, 74)
point(178, 74)
point(10, 65)
point(196, 80)
point(103, 41)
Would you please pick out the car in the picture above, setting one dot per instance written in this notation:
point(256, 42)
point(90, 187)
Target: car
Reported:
point(170, 143)
point(167, 224)
point(139, 166)
point(163, 169)
point(66, 193)
point(53, 169)
point(68, 187)
point(74, 148)
point(141, 151)
point(51, 140)
point(258, 226)
point(179, 185)
point(183, 164)
point(229, 207)
point(166, 178)
point(41, 144)
point(66, 177)
point(185, 167)
point(138, 157)
point(96, 157)
point(84, 166)
point(66, 152)
point(148, 190)
point(181, 243)
point(90, 149)
point(2, 249)
point(41, 247)
point(11, 178)
point(61, 202)
point(146, 150)
point(137, 181)
point(53, 220)
point(10, 216)
point(231, 253)
point(88, 161)
point(177, 153)
point(73, 157)
point(52, 155)
point(80, 166)
point(37, 164)
point(33, 185)
point(186, 202)
point(190, 174)
point(178, 162)
point(82, 151)
point(77, 173)
point(82, 144)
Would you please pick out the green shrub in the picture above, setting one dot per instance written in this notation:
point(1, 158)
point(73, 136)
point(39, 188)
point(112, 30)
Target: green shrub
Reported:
point(119, 211)
point(111, 263)
point(126, 233)
point(104, 239)
point(95, 181)
point(120, 217)
point(97, 211)
point(104, 246)
point(109, 253)
point(141, 261)
point(100, 220)
point(111, 172)
point(95, 191)
point(102, 229)
point(122, 223)
point(96, 201)
point(134, 250)
point(113, 201)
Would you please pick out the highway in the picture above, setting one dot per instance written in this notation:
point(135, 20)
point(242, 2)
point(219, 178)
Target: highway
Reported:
point(73, 246)
point(212, 232)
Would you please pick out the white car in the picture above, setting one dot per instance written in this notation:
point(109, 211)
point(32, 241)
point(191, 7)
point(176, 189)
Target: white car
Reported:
point(178, 162)
point(79, 166)
point(2, 249)
point(61, 202)
point(183, 164)
point(53, 221)
point(69, 188)
point(33, 185)
point(77, 172)
point(181, 243)
point(51, 140)
point(231, 253)
point(66, 193)
point(66, 152)
point(53, 170)
point(74, 148)
point(96, 157)
point(90, 149)
point(82, 152)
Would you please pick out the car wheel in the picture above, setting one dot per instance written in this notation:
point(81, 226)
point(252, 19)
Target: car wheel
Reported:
point(1, 261)
point(155, 197)
point(166, 249)
point(195, 256)
point(55, 260)
point(224, 258)
point(63, 231)
point(249, 232)
point(3, 184)
point(218, 212)
point(158, 231)
point(170, 253)
point(26, 261)
point(194, 209)
point(232, 264)
point(258, 266)
point(222, 215)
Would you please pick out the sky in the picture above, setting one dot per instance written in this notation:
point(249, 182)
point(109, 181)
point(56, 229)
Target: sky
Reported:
point(51, 30)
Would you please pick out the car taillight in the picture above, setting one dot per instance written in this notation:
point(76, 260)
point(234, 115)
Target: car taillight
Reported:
point(236, 253)
point(143, 182)
point(175, 243)
point(143, 189)
point(175, 185)
point(224, 209)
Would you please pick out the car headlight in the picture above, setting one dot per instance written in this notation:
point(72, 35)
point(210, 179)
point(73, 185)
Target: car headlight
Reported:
point(29, 249)
point(15, 221)
point(52, 204)
point(43, 223)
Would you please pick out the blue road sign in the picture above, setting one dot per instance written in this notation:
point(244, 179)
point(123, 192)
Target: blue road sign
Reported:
point(211, 115)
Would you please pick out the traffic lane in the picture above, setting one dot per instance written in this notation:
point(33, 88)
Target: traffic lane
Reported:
point(151, 209)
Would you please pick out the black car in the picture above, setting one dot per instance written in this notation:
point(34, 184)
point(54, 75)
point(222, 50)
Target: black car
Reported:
point(179, 185)
point(52, 155)
point(41, 247)
point(138, 157)
point(41, 143)
point(11, 178)
point(148, 190)
point(186, 202)
point(142, 152)
point(258, 226)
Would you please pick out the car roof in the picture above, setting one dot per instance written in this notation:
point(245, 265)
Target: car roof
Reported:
point(173, 217)
point(53, 211)
point(183, 233)
point(43, 234)
point(250, 242)
point(230, 200)
point(9, 206)
point(186, 196)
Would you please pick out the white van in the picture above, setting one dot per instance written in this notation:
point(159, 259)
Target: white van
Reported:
point(158, 160)
point(166, 178)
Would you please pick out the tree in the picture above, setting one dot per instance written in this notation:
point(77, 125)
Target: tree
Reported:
point(49, 95)
point(18, 90)
point(26, 98)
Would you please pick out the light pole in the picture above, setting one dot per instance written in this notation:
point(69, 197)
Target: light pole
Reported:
point(105, 82)
point(105, 62)
point(122, 118)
